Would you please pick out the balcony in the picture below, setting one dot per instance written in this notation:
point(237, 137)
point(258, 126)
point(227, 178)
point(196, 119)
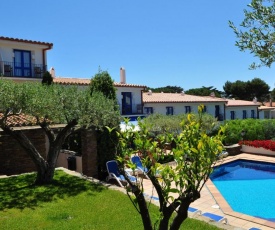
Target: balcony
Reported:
point(22, 70)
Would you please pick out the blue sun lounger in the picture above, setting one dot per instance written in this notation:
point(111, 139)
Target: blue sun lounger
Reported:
point(113, 173)
point(215, 217)
point(254, 228)
point(142, 169)
point(194, 210)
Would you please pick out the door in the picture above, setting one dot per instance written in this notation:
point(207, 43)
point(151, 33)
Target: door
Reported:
point(22, 63)
point(126, 103)
point(217, 111)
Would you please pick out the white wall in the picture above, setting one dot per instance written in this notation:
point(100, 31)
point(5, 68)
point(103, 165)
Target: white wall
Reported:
point(136, 96)
point(7, 47)
point(179, 108)
point(266, 114)
point(63, 162)
point(239, 111)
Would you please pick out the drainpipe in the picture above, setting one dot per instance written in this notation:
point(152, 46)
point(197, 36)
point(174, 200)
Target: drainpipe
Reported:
point(44, 52)
point(224, 111)
point(142, 103)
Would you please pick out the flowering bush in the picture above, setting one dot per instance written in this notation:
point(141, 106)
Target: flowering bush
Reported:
point(268, 144)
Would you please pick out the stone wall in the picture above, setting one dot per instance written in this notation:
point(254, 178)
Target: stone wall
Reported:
point(89, 153)
point(13, 158)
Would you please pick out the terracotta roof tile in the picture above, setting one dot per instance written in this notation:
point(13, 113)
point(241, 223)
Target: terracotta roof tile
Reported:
point(26, 41)
point(20, 120)
point(79, 81)
point(268, 104)
point(232, 102)
point(177, 98)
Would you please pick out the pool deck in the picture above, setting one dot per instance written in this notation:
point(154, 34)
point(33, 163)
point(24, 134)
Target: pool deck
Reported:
point(212, 201)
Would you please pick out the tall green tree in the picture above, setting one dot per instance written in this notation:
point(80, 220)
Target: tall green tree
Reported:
point(177, 187)
point(204, 91)
point(47, 78)
point(167, 89)
point(247, 90)
point(45, 106)
point(102, 82)
point(258, 34)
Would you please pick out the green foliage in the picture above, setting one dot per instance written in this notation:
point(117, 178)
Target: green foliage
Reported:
point(158, 123)
point(204, 91)
point(254, 130)
point(58, 104)
point(73, 143)
point(106, 142)
point(106, 150)
point(102, 82)
point(195, 152)
point(54, 104)
point(167, 89)
point(258, 34)
point(247, 90)
point(47, 78)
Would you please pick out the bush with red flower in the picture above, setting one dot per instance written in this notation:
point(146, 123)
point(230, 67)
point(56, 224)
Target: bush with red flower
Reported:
point(267, 144)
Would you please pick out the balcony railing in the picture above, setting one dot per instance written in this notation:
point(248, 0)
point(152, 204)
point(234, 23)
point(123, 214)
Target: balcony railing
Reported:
point(26, 70)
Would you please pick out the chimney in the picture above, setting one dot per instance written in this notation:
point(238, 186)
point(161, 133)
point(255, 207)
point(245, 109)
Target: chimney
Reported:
point(52, 72)
point(255, 100)
point(182, 93)
point(122, 76)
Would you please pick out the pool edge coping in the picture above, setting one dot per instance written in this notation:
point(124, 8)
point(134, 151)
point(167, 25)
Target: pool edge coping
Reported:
point(223, 204)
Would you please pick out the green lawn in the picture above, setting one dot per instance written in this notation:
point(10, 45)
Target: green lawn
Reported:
point(69, 203)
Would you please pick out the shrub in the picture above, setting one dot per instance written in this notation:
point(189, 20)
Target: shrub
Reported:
point(158, 123)
point(254, 130)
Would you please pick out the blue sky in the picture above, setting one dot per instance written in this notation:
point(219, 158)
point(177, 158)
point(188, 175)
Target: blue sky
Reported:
point(159, 43)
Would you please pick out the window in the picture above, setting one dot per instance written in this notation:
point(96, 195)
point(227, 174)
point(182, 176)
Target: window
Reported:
point(232, 115)
point(244, 114)
point(252, 113)
point(187, 109)
point(169, 111)
point(148, 110)
point(204, 109)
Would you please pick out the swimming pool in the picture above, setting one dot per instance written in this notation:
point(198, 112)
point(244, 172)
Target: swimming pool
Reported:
point(248, 187)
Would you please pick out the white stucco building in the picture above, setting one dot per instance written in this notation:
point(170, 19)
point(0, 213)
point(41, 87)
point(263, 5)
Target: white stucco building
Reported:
point(23, 59)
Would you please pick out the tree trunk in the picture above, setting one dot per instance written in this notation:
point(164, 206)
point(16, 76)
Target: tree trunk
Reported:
point(182, 212)
point(40, 163)
point(181, 215)
point(45, 168)
point(144, 212)
point(167, 213)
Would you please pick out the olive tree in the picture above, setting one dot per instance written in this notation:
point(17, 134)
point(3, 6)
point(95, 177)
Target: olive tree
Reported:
point(177, 186)
point(47, 105)
point(258, 34)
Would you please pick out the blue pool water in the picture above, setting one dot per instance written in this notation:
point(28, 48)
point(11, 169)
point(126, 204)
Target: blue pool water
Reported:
point(248, 187)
